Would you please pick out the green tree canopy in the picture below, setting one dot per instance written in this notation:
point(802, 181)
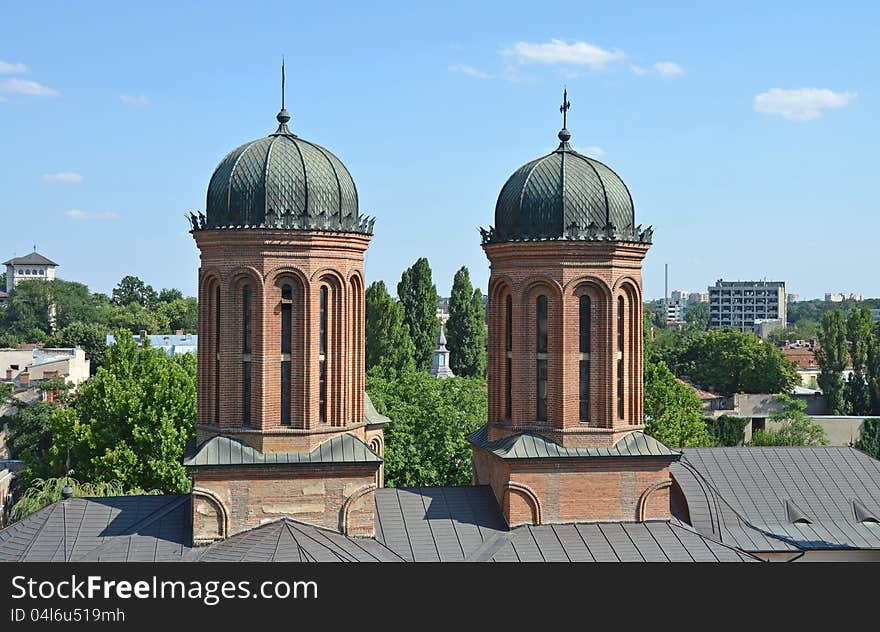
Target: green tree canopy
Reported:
point(167, 295)
point(466, 328)
point(832, 356)
point(425, 443)
point(418, 295)
point(91, 337)
point(131, 290)
point(389, 348)
point(869, 441)
point(130, 421)
point(796, 428)
point(697, 316)
point(673, 412)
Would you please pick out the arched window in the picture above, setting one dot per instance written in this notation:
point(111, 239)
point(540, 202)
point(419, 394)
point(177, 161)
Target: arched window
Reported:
point(217, 354)
point(508, 359)
point(322, 357)
point(620, 325)
point(246, 348)
point(286, 339)
point(584, 349)
point(541, 357)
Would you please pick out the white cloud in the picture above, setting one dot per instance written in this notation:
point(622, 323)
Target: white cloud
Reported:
point(26, 87)
point(470, 71)
point(139, 100)
point(801, 104)
point(62, 176)
point(558, 51)
point(86, 215)
point(8, 68)
point(592, 150)
point(638, 70)
point(668, 69)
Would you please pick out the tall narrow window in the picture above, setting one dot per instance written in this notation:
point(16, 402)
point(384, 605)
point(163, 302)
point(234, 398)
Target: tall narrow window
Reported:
point(246, 344)
point(322, 358)
point(584, 365)
point(620, 325)
point(217, 355)
point(508, 358)
point(541, 357)
point(286, 339)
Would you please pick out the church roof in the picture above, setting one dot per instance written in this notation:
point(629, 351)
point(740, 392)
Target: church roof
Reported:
point(529, 445)
point(33, 259)
point(221, 451)
point(782, 498)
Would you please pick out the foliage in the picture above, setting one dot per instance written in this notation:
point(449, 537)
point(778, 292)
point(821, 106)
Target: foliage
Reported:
point(673, 411)
point(425, 443)
point(797, 428)
point(466, 328)
point(873, 370)
point(869, 441)
point(727, 430)
point(131, 290)
point(90, 337)
point(418, 295)
point(832, 357)
point(805, 329)
point(697, 316)
point(29, 302)
point(389, 348)
point(859, 337)
point(816, 309)
point(29, 438)
point(130, 421)
point(45, 491)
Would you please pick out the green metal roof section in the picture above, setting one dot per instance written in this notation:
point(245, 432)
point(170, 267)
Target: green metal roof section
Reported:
point(223, 451)
point(528, 445)
point(565, 195)
point(371, 415)
point(282, 182)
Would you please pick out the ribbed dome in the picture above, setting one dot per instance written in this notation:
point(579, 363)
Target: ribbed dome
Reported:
point(283, 181)
point(565, 195)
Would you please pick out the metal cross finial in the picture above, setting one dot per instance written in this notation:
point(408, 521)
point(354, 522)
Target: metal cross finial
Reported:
point(564, 108)
point(282, 82)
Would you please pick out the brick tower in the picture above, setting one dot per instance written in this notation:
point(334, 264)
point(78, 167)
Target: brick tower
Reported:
point(564, 437)
point(282, 426)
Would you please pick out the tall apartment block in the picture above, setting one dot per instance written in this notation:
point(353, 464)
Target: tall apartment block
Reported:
point(739, 304)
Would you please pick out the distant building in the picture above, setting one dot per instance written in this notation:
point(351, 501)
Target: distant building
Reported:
point(22, 367)
point(440, 363)
point(835, 297)
point(698, 297)
point(763, 327)
point(739, 304)
point(32, 266)
point(176, 344)
point(679, 295)
point(675, 310)
point(792, 298)
point(442, 310)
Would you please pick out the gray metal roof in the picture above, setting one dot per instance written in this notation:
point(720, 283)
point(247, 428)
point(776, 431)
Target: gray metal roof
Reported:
point(227, 451)
point(287, 540)
point(533, 446)
point(782, 499)
point(121, 529)
point(282, 181)
point(33, 259)
point(449, 524)
point(371, 415)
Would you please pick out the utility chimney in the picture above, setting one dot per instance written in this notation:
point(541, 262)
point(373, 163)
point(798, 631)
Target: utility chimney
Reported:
point(24, 378)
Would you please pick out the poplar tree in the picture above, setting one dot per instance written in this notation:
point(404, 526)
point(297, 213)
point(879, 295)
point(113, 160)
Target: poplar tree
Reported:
point(388, 343)
point(832, 358)
point(873, 370)
point(418, 295)
point(466, 328)
point(858, 333)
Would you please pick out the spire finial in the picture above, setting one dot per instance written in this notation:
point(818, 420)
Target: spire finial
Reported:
point(283, 116)
point(564, 135)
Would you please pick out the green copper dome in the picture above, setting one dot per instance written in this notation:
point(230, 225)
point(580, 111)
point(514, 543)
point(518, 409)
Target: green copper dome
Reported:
point(282, 181)
point(565, 195)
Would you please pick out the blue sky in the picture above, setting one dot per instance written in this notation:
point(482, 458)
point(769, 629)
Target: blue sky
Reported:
point(746, 132)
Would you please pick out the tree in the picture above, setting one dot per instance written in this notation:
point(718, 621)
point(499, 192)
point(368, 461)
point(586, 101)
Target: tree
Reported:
point(697, 316)
point(832, 357)
point(29, 306)
point(179, 313)
point(389, 348)
point(167, 295)
point(92, 338)
point(130, 421)
point(734, 362)
point(859, 336)
point(727, 430)
point(796, 427)
point(869, 441)
point(466, 328)
point(673, 412)
point(426, 444)
point(418, 295)
point(30, 439)
point(873, 370)
point(132, 290)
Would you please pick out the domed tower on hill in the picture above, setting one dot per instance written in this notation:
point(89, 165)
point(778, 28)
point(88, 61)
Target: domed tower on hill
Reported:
point(282, 427)
point(563, 440)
